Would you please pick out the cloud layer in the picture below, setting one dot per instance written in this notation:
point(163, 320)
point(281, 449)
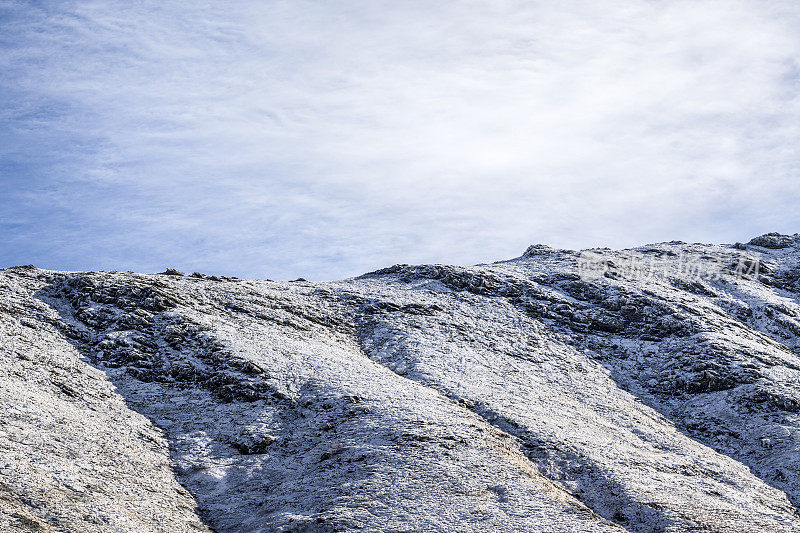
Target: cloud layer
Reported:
point(323, 139)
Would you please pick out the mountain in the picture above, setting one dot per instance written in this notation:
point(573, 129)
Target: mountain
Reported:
point(651, 389)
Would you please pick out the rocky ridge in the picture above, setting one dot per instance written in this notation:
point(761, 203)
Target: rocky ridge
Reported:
point(651, 389)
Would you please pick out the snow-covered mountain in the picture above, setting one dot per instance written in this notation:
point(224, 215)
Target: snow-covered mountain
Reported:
point(652, 389)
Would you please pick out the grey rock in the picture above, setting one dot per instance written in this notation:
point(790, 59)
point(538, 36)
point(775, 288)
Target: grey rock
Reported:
point(524, 395)
point(775, 241)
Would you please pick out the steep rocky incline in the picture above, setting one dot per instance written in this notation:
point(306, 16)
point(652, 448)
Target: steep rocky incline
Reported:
point(653, 389)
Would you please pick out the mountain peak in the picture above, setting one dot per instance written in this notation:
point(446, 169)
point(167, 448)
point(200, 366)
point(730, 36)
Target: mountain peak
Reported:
point(510, 396)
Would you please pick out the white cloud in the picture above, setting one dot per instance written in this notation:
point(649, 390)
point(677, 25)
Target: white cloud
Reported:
point(326, 138)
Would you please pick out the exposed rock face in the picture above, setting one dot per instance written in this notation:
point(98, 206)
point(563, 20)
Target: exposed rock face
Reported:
point(775, 241)
point(654, 389)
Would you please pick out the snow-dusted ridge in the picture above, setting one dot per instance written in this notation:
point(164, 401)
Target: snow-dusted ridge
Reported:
point(652, 389)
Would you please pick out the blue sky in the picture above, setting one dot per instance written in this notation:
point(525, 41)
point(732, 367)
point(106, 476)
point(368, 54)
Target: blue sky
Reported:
point(277, 139)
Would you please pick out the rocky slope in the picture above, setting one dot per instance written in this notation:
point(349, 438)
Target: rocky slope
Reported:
point(653, 389)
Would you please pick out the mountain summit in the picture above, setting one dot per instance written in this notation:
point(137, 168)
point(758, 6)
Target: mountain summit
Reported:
point(650, 389)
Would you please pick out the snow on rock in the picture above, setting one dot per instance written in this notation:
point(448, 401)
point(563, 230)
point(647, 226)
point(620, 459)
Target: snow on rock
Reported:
point(653, 389)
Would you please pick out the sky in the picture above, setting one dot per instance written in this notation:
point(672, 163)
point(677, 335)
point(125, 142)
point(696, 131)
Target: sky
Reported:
point(324, 139)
